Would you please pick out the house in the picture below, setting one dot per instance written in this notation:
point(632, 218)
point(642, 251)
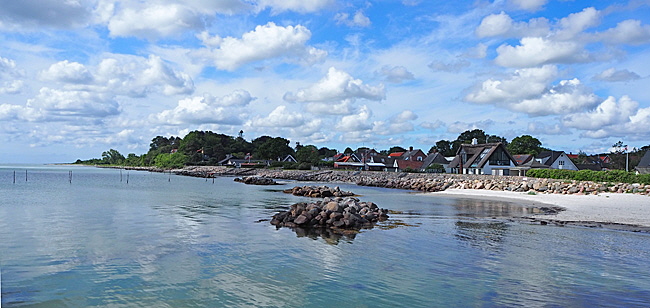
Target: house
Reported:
point(400, 165)
point(644, 164)
point(350, 161)
point(411, 154)
point(555, 160)
point(435, 158)
point(487, 158)
point(289, 158)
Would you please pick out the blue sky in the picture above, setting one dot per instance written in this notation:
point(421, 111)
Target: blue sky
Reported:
point(79, 77)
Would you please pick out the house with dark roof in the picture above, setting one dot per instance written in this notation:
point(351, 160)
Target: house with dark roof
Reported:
point(435, 158)
point(555, 160)
point(644, 165)
point(486, 158)
point(415, 155)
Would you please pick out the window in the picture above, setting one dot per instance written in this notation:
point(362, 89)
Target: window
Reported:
point(499, 158)
point(419, 158)
point(561, 163)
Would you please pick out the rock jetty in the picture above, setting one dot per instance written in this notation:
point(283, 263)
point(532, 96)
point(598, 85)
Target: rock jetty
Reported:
point(337, 213)
point(318, 191)
point(256, 180)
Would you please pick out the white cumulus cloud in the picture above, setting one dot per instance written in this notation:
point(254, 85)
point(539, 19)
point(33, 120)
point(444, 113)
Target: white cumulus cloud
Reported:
point(396, 74)
point(566, 97)
point(206, 110)
point(265, 42)
point(529, 5)
point(523, 84)
point(534, 51)
point(337, 85)
point(67, 72)
point(502, 25)
point(358, 122)
point(280, 117)
point(613, 119)
point(613, 75)
point(154, 21)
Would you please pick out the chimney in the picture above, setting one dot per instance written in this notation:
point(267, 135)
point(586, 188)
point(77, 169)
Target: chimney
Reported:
point(410, 148)
point(474, 141)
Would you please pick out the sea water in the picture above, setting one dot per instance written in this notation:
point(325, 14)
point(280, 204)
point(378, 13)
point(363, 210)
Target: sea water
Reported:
point(88, 237)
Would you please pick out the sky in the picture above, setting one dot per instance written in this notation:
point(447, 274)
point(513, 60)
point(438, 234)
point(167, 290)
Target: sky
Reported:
point(79, 77)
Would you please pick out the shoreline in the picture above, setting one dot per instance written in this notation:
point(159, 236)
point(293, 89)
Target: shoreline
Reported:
point(616, 206)
point(628, 212)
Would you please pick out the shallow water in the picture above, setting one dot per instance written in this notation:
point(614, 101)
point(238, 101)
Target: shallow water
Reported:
point(172, 241)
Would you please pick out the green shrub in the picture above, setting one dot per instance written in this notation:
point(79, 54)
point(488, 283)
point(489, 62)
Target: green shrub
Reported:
point(611, 176)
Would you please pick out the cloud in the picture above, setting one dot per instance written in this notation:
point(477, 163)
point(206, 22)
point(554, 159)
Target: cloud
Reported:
point(432, 125)
point(396, 74)
point(300, 6)
point(438, 66)
point(459, 127)
point(154, 21)
point(576, 23)
point(358, 20)
point(523, 84)
point(613, 119)
point(609, 112)
point(52, 104)
point(136, 76)
point(541, 128)
point(342, 108)
point(9, 77)
point(67, 72)
point(613, 75)
point(566, 97)
point(30, 14)
point(529, 91)
point(477, 52)
point(356, 122)
point(627, 32)
point(534, 51)
point(502, 25)
point(529, 5)
point(206, 110)
point(265, 42)
point(280, 117)
point(12, 87)
point(397, 124)
point(337, 86)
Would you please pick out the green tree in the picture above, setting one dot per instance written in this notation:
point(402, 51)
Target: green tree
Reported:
point(444, 147)
point(525, 144)
point(112, 157)
point(326, 152)
point(467, 136)
point(274, 149)
point(308, 154)
point(396, 149)
point(348, 150)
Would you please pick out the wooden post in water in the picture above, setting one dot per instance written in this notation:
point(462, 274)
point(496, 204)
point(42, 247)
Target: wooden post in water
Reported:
point(127, 177)
point(14, 176)
point(170, 176)
point(120, 175)
point(25, 175)
point(70, 176)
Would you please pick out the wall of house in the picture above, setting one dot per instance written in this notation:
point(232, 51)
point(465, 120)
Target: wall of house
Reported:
point(487, 169)
point(564, 162)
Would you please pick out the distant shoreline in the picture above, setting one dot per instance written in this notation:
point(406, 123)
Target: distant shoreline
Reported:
point(585, 204)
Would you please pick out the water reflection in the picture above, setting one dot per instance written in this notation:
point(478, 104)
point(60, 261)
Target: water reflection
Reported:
point(330, 235)
point(481, 234)
point(489, 208)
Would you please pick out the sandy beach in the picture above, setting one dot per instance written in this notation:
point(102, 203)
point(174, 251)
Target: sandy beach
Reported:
point(604, 209)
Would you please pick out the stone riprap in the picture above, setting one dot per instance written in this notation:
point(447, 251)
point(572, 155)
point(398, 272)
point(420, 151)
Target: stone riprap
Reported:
point(256, 180)
point(318, 191)
point(338, 213)
point(428, 182)
point(439, 182)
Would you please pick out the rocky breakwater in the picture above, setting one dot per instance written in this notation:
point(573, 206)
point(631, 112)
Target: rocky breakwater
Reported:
point(334, 213)
point(256, 180)
point(318, 191)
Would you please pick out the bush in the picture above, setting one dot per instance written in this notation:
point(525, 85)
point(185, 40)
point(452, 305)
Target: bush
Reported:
point(613, 176)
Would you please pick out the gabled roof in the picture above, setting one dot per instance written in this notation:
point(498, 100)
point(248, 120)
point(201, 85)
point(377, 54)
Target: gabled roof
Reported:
point(645, 161)
point(396, 154)
point(522, 158)
point(549, 157)
point(410, 164)
point(478, 154)
point(435, 158)
point(408, 155)
point(348, 158)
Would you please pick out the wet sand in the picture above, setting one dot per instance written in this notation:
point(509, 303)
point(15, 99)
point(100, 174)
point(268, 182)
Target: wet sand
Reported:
point(611, 210)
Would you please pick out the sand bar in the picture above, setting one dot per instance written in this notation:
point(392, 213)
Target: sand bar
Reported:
point(605, 208)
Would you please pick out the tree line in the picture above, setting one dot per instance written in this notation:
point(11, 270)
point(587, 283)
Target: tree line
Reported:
point(209, 148)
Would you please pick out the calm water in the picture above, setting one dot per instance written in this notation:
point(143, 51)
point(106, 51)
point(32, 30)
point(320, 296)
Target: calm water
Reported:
point(172, 241)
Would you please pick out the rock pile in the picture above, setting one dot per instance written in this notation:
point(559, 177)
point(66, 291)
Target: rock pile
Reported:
point(256, 180)
point(340, 213)
point(318, 191)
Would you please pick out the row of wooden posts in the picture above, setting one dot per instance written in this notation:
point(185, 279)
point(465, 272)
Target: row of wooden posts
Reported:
point(169, 179)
